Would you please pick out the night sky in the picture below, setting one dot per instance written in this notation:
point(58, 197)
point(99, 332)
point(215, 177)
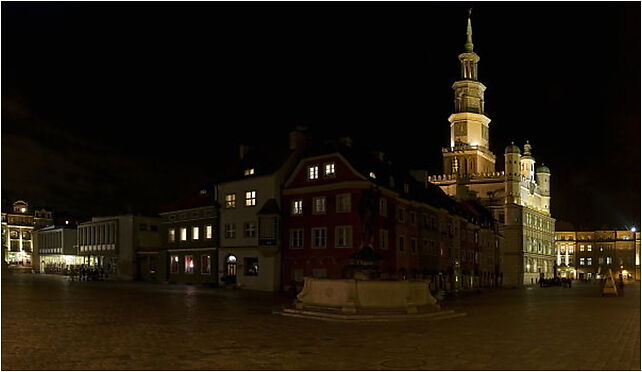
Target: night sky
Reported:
point(111, 108)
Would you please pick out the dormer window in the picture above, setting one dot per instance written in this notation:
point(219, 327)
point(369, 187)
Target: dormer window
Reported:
point(313, 172)
point(249, 171)
point(328, 170)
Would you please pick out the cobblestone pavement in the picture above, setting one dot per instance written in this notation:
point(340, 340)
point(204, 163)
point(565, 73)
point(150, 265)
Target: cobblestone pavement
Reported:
point(51, 323)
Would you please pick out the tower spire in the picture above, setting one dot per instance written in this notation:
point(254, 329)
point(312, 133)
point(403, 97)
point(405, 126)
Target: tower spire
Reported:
point(469, 34)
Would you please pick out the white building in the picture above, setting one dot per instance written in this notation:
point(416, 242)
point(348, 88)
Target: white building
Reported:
point(55, 249)
point(116, 243)
point(518, 196)
point(250, 223)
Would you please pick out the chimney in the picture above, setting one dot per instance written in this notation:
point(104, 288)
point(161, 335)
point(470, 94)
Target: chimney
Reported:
point(243, 150)
point(298, 138)
point(345, 141)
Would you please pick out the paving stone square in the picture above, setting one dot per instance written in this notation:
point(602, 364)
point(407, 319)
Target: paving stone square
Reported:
point(50, 323)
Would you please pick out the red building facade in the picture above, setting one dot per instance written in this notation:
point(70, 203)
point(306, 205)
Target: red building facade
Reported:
point(337, 202)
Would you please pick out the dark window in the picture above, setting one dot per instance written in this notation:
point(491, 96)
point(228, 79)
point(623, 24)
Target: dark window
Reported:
point(251, 266)
point(153, 227)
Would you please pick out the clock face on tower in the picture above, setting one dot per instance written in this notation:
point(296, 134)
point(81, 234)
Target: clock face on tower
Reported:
point(460, 128)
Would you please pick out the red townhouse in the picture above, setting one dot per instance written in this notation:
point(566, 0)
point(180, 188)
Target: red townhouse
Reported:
point(338, 200)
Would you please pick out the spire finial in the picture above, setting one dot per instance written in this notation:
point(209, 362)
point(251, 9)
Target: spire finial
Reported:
point(469, 34)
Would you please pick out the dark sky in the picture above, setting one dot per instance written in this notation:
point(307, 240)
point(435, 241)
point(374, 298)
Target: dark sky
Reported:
point(108, 107)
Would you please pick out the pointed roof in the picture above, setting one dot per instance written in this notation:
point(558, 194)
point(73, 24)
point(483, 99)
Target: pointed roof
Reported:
point(469, 34)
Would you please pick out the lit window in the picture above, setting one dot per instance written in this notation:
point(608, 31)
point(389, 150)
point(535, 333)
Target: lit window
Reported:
point(251, 266)
point(297, 207)
point(206, 264)
point(609, 260)
point(581, 261)
point(189, 265)
point(383, 207)
point(250, 230)
point(195, 233)
point(318, 205)
point(589, 261)
point(230, 231)
point(296, 238)
point(582, 248)
point(343, 203)
point(383, 239)
point(230, 200)
point(328, 170)
point(313, 172)
point(343, 236)
point(183, 234)
point(208, 231)
point(249, 172)
point(171, 235)
point(589, 248)
point(173, 265)
point(319, 237)
point(250, 198)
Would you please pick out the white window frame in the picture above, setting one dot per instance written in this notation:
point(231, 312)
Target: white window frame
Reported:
point(230, 231)
point(313, 236)
point(315, 204)
point(250, 198)
point(347, 197)
point(329, 170)
point(313, 172)
point(249, 227)
point(297, 207)
point(300, 239)
point(343, 233)
point(230, 200)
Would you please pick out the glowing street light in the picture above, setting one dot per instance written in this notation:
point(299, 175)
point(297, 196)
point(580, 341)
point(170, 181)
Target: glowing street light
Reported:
point(633, 229)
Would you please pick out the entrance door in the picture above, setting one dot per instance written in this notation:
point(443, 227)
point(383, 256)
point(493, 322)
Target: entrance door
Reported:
point(230, 269)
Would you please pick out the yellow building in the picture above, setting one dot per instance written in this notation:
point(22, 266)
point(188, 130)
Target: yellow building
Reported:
point(590, 254)
point(519, 196)
point(17, 233)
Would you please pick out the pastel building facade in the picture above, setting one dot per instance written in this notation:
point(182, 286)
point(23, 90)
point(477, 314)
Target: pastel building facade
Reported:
point(591, 254)
point(18, 226)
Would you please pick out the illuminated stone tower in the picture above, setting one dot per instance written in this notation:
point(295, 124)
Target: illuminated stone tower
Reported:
point(469, 152)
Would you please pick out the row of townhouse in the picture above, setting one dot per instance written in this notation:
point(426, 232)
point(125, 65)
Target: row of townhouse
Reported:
point(309, 209)
point(591, 254)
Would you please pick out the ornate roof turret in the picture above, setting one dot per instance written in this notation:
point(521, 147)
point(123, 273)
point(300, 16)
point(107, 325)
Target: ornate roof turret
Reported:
point(543, 169)
point(512, 149)
point(527, 151)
